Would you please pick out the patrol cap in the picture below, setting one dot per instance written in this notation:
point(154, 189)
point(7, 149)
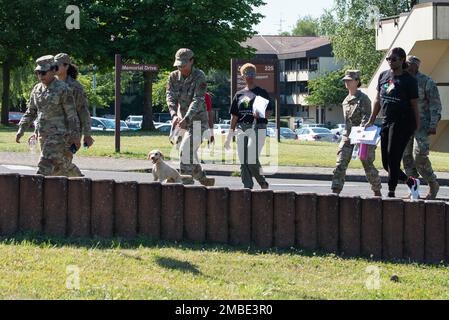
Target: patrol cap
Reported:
point(182, 57)
point(45, 63)
point(62, 58)
point(352, 75)
point(413, 60)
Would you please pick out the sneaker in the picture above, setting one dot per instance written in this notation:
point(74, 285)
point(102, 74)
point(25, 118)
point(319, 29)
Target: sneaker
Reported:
point(391, 194)
point(413, 184)
point(264, 186)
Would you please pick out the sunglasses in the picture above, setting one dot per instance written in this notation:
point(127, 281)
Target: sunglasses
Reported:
point(41, 73)
point(250, 74)
point(392, 59)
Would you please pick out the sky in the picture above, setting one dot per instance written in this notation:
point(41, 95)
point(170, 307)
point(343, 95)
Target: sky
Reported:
point(289, 11)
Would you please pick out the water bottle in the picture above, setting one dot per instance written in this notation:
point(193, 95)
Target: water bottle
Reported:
point(355, 152)
point(32, 144)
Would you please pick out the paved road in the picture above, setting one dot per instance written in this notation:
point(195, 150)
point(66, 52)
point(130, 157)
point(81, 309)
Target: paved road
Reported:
point(300, 186)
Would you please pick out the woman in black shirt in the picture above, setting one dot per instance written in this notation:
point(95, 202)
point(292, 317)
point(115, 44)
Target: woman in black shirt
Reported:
point(251, 128)
point(397, 97)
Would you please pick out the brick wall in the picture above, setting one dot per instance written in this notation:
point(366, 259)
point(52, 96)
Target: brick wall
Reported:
point(351, 226)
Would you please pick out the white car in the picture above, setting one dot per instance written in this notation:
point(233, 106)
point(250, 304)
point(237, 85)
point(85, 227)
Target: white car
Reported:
point(134, 119)
point(310, 125)
point(108, 125)
point(316, 134)
point(339, 129)
point(221, 129)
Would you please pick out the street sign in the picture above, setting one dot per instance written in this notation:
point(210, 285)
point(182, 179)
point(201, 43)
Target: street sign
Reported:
point(140, 67)
point(119, 68)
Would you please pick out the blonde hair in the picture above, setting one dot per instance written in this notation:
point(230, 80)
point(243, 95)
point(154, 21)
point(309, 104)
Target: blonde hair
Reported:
point(247, 66)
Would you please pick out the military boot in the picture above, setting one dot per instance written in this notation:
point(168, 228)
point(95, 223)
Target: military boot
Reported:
point(434, 187)
point(336, 191)
point(207, 182)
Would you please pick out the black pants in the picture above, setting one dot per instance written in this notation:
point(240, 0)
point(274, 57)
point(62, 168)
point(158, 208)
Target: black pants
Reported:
point(394, 139)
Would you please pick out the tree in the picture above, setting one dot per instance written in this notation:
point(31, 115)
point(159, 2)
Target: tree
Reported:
point(306, 26)
point(35, 28)
point(143, 31)
point(152, 32)
point(351, 30)
point(327, 89)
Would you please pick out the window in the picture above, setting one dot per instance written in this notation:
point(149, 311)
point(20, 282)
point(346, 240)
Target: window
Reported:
point(303, 64)
point(313, 64)
point(303, 87)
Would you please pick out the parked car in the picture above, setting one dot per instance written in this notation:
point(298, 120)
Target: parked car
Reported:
point(311, 125)
point(134, 119)
point(134, 126)
point(163, 128)
point(316, 134)
point(285, 133)
point(108, 125)
point(14, 117)
point(339, 129)
point(221, 129)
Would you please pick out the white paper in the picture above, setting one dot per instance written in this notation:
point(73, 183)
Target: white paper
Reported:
point(364, 135)
point(260, 106)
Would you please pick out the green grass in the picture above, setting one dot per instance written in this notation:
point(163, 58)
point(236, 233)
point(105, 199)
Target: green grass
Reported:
point(137, 144)
point(31, 269)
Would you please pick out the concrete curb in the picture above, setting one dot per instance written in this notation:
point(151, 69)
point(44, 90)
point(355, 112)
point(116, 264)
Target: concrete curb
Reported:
point(304, 176)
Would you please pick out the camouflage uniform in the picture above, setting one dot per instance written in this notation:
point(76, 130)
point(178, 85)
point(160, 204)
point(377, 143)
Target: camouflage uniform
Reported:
point(53, 108)
point(82, 109)
point(356, 111)
point(185, 98)
point(416, 155)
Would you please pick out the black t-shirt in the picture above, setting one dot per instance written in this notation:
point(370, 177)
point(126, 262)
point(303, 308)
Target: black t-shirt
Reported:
point(395, 93)
point(242, 105)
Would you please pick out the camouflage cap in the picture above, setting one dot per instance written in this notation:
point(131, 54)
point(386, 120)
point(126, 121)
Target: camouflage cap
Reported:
point(61, 58)
point(45, 63)
point(414, 60)
point(352, 75)
point(182, 57)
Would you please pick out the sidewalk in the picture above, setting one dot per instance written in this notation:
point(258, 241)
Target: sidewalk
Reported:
point(124, 165)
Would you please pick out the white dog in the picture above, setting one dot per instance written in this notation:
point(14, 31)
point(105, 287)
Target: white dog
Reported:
point(163, 172)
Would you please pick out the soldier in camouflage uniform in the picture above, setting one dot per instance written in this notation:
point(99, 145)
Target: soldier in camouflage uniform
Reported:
point(67, 73)
point(186, 90)
point(52, 105)
point(416, 155)
point(356, 111)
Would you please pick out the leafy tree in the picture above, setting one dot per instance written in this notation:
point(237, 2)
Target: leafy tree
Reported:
point(327, 89)
point(143, 31)
point(306, 26)
point(351, 30)
point(159, 89)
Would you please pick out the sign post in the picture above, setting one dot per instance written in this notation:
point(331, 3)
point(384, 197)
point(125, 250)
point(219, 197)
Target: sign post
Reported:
point(118, 98)
point(119, 68)
point(267, 78)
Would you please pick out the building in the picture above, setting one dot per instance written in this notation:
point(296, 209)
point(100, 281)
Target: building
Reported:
point(300, 59)
point(423, 32)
